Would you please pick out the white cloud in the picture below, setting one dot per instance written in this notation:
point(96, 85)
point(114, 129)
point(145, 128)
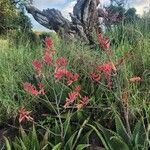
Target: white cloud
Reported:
point(42, 4)
point(68, 8)
point(141, 5)
point(104, 2)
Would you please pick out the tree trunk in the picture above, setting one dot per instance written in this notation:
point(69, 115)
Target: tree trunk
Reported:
point(84, 22)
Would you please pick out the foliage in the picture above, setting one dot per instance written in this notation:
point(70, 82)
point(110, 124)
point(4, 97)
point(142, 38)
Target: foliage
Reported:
point(116, 14)
point(47, 140)
point(7, 11)
point(114, 77)
point(121, 139)
point(14, 23)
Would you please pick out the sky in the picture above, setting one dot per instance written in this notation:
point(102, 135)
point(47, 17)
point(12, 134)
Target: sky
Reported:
point(66, 6)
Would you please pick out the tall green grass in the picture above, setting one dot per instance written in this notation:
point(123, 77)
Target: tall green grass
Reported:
point(16, 69)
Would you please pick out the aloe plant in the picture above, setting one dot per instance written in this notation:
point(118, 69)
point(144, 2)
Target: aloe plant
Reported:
point(28, 141)
point(52, 139)
point(121, 140)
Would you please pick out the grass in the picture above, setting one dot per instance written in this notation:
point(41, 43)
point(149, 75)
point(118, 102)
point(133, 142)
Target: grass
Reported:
point(16, 69)
point(14, 66)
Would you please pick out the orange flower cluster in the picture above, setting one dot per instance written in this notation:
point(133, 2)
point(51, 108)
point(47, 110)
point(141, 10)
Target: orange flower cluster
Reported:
point(106, 69)
point(37, 67)
point(29, 88)
point(135, 79)
point(73, 96)
point(60, 71)
point(68, 75)
point(103, 41)
point(24, 115)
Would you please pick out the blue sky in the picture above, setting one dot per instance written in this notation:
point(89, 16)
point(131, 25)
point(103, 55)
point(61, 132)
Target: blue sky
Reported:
point(66, 6)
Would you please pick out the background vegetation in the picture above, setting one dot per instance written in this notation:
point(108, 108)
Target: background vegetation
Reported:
point(115, 118)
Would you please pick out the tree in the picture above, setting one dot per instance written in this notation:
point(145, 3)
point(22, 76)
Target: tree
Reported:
point(131, 15)
point(7, 11)
point(84, 20)
point(13, 17)
point(23, 22)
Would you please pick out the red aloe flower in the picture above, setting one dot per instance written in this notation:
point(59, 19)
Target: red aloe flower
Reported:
point(28, 87)
point(72, 96)
point(61, 61)
point(48, 42)
point(107, 68)
point(84, 101)
point(24, 115)
point(95, 76)
point(71, 77)
point(103, 41)
point(47, 58)
point(37, 66)
point(60, 72)
point(113, 66)
point(135, 79)
point(41, 87)
point(78, 88)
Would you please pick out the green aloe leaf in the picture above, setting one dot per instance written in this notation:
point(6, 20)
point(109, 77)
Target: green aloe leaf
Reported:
point(23, 145)
point(16, 146)
point(85, 138)
point(7, 143)
point(45, 139)
point(82, 146)
point(35, 141)
point(122, 131)
point(45, 147)
point(99, 133)
point(57, 147)
point(119, 144)
point(25, 138)
point(67, 127)
point(139, 134)
point(69, 143)
point(109, 135)
point(57, 131)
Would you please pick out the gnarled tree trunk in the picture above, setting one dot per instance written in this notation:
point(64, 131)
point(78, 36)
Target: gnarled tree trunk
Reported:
point(84, 20)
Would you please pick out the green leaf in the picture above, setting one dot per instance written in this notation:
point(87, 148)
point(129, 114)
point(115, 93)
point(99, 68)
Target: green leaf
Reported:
point(35, 141)
point(44, 147)
point(69, 143)
point(82, 146)
point(25, 138)
point(122, 131)
point(23, 145)
point(139, 134)
point(100, 136)
point(45, 139)
point(66, 126)
point(57, 147)
point(57, 131)
point(85, 138)
point(16, 146)
point(109, 135)
point(119, 144)
point(23, 134)
point(8, 146)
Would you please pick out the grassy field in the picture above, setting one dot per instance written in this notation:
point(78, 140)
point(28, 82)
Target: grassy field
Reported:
point(113, 117)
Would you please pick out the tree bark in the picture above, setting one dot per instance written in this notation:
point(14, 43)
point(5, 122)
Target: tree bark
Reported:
point(84, 20)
